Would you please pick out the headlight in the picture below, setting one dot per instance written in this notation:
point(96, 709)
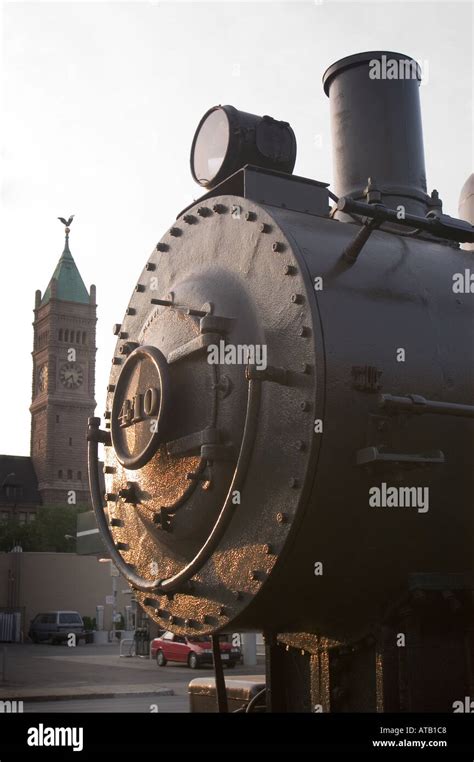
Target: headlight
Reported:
point(226, 139)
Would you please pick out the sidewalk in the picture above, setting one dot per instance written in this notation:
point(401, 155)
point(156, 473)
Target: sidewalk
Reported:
point(81, 692)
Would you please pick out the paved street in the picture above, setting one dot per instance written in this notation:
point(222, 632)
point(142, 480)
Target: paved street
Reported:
point(95, 679)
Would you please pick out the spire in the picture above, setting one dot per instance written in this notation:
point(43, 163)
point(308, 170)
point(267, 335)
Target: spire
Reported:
point(69, 286)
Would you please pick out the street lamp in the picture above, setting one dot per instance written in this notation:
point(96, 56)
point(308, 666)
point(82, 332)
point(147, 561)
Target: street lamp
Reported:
point(7, 477)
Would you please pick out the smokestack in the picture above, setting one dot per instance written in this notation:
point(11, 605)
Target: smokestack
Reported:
point(376, 129)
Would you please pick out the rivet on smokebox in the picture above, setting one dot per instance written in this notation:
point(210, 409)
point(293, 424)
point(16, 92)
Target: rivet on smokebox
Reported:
point(305, 406)
point(111, 388)
point(277, 246)
point(139, 287)
point(265, 227)
point(162, 246)
point(175, 232)
point(116, 328)
point(189, 219)
point(296, 298)
point(254, 574)
point(289, 270)
point(293, 483)
point(303, 331)
point(300, 445)
point(219, 208)
point(130, 311)
point(268, 549)
point(109, 470)
point(250, 216)
point(150, 266)
point(222, 611)
point(204, 211)
point(282, 518)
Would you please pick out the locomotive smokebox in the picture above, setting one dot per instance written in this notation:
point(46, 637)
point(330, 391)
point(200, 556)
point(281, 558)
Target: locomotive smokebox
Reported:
point(376, 128)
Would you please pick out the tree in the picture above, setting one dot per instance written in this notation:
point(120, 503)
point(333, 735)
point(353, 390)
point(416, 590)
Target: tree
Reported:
point(47, 533)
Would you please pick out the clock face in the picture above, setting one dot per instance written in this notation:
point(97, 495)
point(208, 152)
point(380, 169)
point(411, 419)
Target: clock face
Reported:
point(71, 375)
point(43, 378)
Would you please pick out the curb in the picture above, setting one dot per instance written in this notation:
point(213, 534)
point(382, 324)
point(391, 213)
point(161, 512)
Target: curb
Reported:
point(85, 696)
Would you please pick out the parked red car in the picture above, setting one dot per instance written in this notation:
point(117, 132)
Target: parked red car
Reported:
point(193, 651)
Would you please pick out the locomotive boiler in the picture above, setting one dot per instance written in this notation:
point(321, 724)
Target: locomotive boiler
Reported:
point(288, 433)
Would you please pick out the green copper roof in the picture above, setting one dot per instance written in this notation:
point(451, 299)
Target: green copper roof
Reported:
point(70, 286)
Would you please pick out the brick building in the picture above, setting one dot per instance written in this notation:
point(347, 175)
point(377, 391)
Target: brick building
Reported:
point(64, 349)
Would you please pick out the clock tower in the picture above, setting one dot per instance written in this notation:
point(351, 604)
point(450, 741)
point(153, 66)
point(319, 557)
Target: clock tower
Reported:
point(63, 382)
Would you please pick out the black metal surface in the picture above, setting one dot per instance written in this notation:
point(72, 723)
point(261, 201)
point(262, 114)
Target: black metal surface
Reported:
point(271, 188)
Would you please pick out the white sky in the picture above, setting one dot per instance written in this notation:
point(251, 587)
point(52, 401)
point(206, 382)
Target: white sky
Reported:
point(99, 103)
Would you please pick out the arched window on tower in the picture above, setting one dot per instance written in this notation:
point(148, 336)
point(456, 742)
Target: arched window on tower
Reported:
point(79, 475)
point(84, 337)
point(60, 473)
point(69, 474)
point(78, 337)
point(60, 337)
point(66, 335)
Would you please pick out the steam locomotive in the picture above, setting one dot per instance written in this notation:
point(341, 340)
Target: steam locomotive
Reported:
point(287, 436)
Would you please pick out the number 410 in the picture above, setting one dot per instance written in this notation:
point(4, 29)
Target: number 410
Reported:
point(139, 407)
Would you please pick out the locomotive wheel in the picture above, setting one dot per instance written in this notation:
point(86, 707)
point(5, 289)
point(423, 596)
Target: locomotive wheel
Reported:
point(161, 660)
point(192, 661)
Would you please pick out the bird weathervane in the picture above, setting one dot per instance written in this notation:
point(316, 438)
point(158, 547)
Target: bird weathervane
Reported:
point(67, 223)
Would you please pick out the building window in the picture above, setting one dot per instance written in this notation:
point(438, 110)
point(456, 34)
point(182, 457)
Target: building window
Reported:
point(57, 419)
point(22, 518)
point(66, 335)
point(60, 337)
point(60, 473)
point(78, 337)
point(4, 516)
point(13, 491)
point(84, 337)
point(69, 474)
point(70, 441)
point(31, 517)
point(79, 475)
